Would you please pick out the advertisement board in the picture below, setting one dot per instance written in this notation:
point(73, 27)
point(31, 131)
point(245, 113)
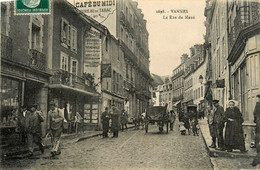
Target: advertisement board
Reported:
point(103, 11)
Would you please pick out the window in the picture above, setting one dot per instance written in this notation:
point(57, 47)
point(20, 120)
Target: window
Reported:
point(3, 18)
point(65, 31)
point(122, 33)
point(35, 41)
point(127, 76)
point(126, 38)
point(73, 38)
point(106, 44)
point(64, 61)
point(74, 66)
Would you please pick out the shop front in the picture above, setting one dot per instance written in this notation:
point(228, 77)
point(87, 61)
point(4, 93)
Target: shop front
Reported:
point(72, 101)
point(20, 85)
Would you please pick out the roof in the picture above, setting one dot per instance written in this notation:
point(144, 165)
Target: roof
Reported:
point(157, 80)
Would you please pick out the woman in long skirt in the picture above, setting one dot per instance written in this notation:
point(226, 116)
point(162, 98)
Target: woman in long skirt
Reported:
point(234, 138)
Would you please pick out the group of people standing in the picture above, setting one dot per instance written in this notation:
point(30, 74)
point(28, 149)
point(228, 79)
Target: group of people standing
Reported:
point(234, 138)
point(30, 120)
point(118, 120)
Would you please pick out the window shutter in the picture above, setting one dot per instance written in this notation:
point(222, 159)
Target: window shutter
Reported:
point(69, 35)
point(75, 40)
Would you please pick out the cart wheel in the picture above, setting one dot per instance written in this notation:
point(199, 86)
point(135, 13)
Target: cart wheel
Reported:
point(146, 126)
point(167, 126)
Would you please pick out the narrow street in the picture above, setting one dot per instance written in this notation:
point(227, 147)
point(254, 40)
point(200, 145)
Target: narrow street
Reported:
point(133, 149)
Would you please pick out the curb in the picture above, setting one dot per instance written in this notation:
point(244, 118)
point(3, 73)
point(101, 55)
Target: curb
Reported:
point(95, 135)
point(207, 148)
point(217, 153)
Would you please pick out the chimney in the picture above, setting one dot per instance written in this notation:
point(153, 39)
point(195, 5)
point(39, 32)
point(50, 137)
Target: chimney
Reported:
point(192, 51)
point(184, 58)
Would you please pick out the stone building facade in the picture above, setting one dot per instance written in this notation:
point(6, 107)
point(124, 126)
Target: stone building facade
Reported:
point(244, 58)
point(178, 83)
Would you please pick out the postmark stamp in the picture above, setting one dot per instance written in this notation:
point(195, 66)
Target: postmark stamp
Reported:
point(32, 7)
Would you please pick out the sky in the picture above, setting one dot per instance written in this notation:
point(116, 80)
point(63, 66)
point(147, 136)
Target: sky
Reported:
point(170, 38)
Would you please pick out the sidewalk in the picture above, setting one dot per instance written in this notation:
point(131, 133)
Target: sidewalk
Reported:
point(213, 152)
point(22, 150)
point(224, 159)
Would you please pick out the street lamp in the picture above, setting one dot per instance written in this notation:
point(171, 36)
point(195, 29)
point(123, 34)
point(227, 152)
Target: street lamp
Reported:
point(200, 79)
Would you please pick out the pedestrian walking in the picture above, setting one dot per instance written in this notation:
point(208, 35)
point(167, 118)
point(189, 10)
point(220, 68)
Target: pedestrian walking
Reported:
point(22, 123)
point(115, 117)
point(212, 127)
point(124, 120)
point(105, 117)
point(172, 119)
point(56, 123)
point(33, 121)
point(234, 137)
point(77, 123)
point(194, 126)
point(257, 131)
point(186, 122)
point(218, 121)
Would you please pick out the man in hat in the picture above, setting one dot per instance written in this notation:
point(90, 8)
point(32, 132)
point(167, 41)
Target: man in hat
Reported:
point(33, 128)
point(105, 122)
point(257, 131)
point(218, 121)
point(115, 117)
point(56, 124)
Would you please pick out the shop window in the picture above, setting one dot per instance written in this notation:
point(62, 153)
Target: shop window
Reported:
point(10, 95)
point(64, 61)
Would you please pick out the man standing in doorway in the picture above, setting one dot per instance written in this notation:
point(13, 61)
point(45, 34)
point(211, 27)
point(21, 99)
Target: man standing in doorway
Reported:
point(105, 122)
point(22, 122)
point(56, 123)
point(257, 131)
point(218, 121)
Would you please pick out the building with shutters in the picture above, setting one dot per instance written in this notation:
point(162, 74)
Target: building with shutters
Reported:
point(178, 83)
point(244, 58)
point(126, 23)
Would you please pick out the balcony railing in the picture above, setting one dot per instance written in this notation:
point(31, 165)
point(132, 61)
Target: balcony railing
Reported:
point(246, 17)
point(175, 99)
point(37, 60)
point(69, 79)
point(6, 46)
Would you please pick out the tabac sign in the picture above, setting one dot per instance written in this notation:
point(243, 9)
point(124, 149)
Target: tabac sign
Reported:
point(104, 11)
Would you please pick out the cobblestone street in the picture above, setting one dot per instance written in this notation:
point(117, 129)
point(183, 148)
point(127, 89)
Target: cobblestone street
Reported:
point(133, 149)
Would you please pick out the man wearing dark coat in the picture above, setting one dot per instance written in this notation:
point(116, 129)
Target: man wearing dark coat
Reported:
point(22, 122)
point(115, 117)
point(234, 137)
point(257, 131)
point(33, 120)
point(105, 122)
point(212, 127)
point(218, 121)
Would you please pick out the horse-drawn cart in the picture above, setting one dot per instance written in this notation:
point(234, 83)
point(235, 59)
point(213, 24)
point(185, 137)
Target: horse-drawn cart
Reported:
point(159, 115)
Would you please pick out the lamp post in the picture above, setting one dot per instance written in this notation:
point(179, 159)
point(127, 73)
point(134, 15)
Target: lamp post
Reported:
point(201, 79)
